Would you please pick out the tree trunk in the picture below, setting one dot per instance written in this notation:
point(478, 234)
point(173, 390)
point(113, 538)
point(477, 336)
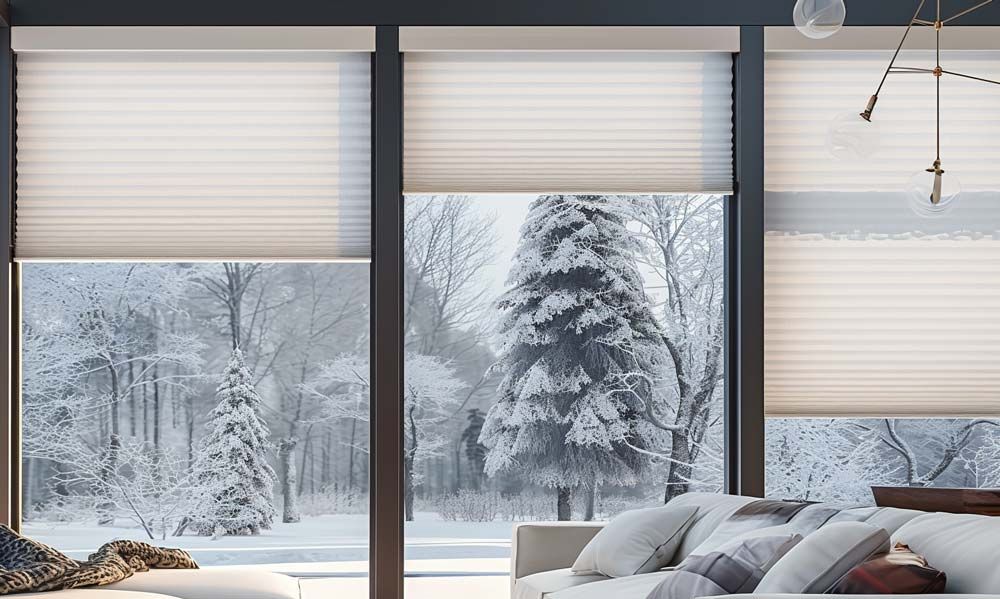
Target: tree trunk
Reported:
point(588, 510)
point(350, 454)
point(156, 408)
point(132, 412)
point(408, 457)
point(286, 456)
point(408, 486)
point(564, 510)
point(106, 509)
point(679, 473)
point(190, 432)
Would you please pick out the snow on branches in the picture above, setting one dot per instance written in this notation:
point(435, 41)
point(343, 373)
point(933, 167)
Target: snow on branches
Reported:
point(234, 481)
point(576, 324)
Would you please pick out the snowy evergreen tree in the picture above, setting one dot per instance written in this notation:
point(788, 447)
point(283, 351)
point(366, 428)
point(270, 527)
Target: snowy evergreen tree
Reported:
point(579, 349)
point(235, 481)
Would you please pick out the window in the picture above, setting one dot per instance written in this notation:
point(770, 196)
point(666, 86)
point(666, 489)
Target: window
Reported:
point(589, 383)
point(564, 350)
point(125, 416)
point(193, 232)
point(880, 339)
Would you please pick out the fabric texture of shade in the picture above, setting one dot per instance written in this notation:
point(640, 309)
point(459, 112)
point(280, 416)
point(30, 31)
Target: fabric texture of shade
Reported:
point(806, 93)
point(567, 122)
point(193, 155)
point(871, 309)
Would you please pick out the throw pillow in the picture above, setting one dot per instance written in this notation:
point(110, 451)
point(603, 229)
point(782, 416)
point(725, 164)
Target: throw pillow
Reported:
point(899, 572)
point(636, 542)
point(736, 567)
point(820, 560)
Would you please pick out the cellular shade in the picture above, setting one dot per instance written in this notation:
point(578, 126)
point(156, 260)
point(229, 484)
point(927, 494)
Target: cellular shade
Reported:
point(193, 155)
point(871, 310)
point(537, 122)
point(805, 92)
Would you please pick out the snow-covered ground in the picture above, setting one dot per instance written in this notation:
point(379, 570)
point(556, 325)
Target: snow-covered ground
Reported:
point(443, 558)
point(335, 543)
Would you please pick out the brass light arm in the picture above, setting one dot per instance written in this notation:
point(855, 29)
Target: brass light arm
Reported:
point(910, 70)
point(925, 22)
point(983, 79)
point(867, 113)
point(966, 11)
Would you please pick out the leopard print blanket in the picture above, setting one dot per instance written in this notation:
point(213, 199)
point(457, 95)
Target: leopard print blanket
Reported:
point(29, 566)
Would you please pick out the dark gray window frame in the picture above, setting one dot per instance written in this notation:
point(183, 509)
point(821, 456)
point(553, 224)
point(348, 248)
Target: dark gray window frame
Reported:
point(744, 215)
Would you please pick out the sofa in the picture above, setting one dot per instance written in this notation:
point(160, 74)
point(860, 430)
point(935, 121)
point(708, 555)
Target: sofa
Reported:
point(207, 583)
point(965, 547)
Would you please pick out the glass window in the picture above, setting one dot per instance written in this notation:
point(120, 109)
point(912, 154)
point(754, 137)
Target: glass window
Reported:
point(840, 459)
point(564, 359)
point(142, 421)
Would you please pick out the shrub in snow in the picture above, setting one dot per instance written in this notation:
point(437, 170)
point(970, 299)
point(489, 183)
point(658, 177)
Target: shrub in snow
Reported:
point(234, 482)
point(579, 351)
point(469, 506)
point(333, 500)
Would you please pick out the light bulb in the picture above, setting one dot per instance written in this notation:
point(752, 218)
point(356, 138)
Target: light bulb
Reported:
point(850, 138)
point(921, 191)
point(817, 19)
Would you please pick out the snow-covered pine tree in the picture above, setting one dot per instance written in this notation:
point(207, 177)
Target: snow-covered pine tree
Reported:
point(235, 483)
point(579, 348)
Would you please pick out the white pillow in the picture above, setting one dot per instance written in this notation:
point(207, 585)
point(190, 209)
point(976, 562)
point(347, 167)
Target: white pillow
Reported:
point(823, 557)
point(636, 542)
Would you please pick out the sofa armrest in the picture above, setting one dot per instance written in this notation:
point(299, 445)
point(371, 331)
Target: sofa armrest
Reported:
point(543, 546)
point(804, 596)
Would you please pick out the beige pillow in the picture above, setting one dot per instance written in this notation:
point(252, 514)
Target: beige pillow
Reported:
point(823, 557)
point(636, 542)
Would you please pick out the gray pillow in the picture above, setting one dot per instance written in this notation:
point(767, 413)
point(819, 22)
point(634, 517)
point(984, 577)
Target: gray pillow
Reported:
point(636, 542)
point(735, 567)
point(823, 557)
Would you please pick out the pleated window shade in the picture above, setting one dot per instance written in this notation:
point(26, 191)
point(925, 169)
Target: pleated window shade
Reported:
point(870, 309)
point(570, 122)
point(193, 155)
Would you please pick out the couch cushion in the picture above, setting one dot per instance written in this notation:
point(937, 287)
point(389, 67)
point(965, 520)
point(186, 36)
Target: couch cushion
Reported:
point(892, 519)
point(544, 584)
point(212, 583)
point(636, 542)
point(630, 587)
point(93, 593)
point(713, 509)
point(815, 564)
point(965, 547)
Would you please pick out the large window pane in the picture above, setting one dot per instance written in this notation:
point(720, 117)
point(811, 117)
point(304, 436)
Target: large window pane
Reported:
point(132, 421)
point(564, 359)
point(840, 459)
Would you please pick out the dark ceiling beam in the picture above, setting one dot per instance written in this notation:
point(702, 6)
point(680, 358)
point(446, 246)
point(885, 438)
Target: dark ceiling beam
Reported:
point(456, 12)
point(4, 13)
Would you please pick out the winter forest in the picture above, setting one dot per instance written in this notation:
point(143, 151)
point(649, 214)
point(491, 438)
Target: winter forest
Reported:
point(564, 359)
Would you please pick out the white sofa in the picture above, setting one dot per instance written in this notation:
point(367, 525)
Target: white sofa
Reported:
point(965, 547)
point(207, 583)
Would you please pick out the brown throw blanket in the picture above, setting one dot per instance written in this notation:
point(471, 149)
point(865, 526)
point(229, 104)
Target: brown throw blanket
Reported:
point(27, 566)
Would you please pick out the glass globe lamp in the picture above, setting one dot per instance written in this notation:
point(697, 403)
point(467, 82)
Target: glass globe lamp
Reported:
point(818, 19)
point(850, 138)
point(933, 192)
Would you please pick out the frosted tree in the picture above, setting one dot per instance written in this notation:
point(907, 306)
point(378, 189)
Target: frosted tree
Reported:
point(683, 247)
point(235, 483)
point(431, 391)
point(983, 463)
point(926, 449)
point(824, 460)
point(475, 452)
point(579, 349)
point(95, 343)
